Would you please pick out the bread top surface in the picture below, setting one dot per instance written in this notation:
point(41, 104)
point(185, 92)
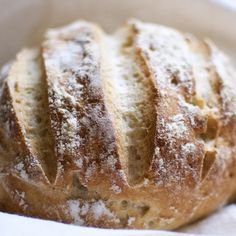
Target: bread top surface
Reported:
point(134, 129)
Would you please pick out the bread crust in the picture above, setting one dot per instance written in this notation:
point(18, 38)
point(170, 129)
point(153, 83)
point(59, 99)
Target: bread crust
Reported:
point(189, 173)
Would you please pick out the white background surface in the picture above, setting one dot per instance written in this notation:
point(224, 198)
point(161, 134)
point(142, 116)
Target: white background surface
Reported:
point(222, 223)
point(22, 23)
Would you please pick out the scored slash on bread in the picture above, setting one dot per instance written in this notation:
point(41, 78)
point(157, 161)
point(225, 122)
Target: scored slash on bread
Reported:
point(15, 118)
point(134, 129)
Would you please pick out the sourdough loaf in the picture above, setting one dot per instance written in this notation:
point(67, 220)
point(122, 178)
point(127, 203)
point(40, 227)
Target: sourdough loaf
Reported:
point(130, 130)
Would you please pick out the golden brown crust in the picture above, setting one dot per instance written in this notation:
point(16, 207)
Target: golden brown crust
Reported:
point(81, 126)
point(189, 169)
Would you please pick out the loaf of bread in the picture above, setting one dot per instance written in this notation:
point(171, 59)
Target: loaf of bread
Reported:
point(130, 130)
